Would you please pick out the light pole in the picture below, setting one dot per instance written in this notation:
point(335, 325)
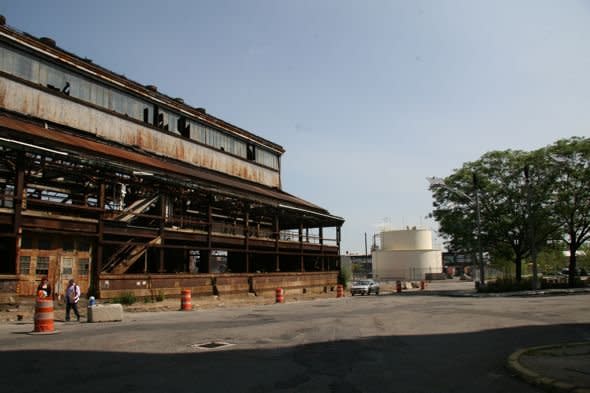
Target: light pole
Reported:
point(531, 227)
point(440, 182)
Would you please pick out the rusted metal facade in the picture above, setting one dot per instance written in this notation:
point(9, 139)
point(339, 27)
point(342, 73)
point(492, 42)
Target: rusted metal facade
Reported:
point(108, 181)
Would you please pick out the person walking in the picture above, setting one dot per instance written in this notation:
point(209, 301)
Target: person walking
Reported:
point(44, 289)
point(72, 299)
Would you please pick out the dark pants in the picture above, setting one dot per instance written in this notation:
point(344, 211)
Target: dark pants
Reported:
point(72, 306)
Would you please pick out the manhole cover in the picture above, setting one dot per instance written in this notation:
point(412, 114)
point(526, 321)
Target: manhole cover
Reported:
point(211, 345)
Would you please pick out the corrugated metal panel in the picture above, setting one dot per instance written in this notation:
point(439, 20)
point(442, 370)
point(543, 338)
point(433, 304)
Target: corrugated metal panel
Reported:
point(85, 66)
point(21, 98)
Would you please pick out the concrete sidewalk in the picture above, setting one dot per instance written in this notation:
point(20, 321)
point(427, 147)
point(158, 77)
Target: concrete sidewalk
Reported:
point(556, 368)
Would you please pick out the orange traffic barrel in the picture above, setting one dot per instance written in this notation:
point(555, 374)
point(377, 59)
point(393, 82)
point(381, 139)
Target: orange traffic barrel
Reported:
point(340, 290)
point(185, 300)
point(44, 315)
point(280, 295)
point(398, 286)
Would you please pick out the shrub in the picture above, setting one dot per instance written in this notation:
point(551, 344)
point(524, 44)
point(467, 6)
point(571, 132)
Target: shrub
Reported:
point(126, 298)
point(511, 285)
point(160, 296)
point(344, 276)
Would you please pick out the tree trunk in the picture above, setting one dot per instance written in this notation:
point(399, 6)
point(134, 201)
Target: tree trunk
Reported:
point(572, 266)
point(518, 263)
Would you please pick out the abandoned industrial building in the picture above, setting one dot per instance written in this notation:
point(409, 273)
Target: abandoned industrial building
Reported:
point(126, 189)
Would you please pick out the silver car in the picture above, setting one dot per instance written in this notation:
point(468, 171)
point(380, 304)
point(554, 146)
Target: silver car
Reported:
point(364, 287)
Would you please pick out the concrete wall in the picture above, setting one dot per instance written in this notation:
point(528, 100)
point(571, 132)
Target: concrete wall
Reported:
point(170, 285)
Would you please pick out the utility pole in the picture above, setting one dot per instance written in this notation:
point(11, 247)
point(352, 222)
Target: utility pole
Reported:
point(531, 226)
point(366, 250)
point(482, 280)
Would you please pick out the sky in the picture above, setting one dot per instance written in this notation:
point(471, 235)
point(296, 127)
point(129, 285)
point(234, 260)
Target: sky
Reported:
point(368, 98)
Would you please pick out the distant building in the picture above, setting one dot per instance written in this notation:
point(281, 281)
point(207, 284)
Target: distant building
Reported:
point(406, 255)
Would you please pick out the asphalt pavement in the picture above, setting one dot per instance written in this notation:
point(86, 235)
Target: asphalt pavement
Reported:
point(444, 339)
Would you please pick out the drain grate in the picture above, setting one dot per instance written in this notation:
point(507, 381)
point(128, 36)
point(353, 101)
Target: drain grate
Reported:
point(212, 345)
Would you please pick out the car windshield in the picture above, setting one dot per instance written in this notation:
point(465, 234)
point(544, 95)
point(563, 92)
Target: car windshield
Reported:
point(363, 282)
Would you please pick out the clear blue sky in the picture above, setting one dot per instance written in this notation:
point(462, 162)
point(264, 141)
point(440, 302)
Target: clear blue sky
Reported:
point(367, 97)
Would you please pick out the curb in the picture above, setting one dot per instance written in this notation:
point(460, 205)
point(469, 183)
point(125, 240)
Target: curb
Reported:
point(532, 377)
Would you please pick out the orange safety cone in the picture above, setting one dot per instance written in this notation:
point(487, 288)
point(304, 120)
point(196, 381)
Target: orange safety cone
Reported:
point(185, 300)
point(280, 295)
point(44, 315)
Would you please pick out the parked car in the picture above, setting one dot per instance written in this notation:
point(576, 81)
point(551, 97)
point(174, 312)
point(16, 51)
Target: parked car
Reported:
point(364, 287)
point(579, 272)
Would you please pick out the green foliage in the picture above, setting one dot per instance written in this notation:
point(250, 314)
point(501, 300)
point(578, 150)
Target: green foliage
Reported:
point(345, 275)
point(525, 284)
point(160, 296)
point(506, 285)
point(526, 199)
point(126, 298)
point(505, 266)
point(551, 261)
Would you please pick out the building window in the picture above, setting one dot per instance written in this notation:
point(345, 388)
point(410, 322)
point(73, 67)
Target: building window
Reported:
point(66, 265)
point(42, 266)
point(251, 152)
point(25, 265)
point(83, 264)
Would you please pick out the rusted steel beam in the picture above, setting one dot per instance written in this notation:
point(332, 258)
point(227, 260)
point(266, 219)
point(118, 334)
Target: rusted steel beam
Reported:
point(60, 206)
point(30, 222)
point(60, 232)
point(129, 231)
point(249, 190)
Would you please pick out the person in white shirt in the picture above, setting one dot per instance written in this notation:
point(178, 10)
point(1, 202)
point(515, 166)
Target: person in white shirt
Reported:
point(72, 299)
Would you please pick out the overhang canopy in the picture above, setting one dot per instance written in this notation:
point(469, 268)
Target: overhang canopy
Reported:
point(33, 136)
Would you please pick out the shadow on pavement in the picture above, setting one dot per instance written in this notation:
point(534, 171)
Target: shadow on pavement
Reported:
point(464, 362)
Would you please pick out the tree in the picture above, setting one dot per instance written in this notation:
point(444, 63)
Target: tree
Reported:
point(570, 164)
point(510, 206)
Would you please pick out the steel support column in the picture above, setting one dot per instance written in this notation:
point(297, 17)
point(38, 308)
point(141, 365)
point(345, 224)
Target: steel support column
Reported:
point(246, 241)
point(321, 232)
point(277, 232)
point(209, 235)
point(96, 267)
point(20, 201)
point(301, 259)
point(163, 203)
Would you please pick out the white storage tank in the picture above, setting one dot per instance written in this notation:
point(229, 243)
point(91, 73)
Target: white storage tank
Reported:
point(406, 255)
point(410, 239)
